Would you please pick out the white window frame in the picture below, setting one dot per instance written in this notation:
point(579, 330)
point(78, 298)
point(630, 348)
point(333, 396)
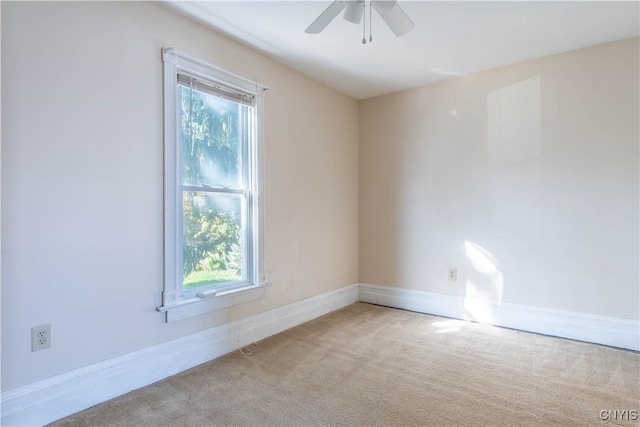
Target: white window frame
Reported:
point(175, 305)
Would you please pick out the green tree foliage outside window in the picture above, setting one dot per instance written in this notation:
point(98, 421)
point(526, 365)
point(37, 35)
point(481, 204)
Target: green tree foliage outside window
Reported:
point(211, 150)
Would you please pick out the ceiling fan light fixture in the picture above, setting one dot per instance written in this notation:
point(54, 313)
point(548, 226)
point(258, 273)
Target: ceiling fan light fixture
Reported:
point(354, 11)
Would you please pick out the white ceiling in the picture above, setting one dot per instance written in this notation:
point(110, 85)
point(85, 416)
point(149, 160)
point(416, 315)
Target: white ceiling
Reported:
point(450, 38)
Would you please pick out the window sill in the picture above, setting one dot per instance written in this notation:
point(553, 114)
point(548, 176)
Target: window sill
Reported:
point(193, 306)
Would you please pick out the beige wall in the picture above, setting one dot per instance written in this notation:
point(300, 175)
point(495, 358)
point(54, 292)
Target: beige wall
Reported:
point(82, 180)
point(524, 178)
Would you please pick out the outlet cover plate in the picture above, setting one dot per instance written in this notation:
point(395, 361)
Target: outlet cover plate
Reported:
point(40, 337)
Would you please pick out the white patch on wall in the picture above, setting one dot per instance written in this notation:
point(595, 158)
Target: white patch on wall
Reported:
point(514, 122)
point(485, 284)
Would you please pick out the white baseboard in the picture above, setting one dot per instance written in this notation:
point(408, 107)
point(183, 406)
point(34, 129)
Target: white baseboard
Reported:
point(609, 331)
point(53, 398)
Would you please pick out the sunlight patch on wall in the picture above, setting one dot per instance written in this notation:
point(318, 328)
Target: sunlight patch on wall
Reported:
point(485, 284)
point(480, 258)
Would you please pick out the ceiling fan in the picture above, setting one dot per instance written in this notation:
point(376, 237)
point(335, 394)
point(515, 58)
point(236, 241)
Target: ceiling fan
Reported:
point(390, 11)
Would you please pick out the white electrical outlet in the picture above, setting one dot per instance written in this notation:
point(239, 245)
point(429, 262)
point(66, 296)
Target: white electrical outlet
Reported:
point(40, 337)
point(453, 274)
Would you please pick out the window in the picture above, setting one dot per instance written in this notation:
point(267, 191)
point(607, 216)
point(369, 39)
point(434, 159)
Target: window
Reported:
point(213, 200)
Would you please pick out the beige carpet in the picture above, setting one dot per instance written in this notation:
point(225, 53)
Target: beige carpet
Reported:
point(371, 365)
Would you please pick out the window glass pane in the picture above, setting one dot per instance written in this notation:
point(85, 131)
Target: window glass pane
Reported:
point(213, 243)
point(211, 133)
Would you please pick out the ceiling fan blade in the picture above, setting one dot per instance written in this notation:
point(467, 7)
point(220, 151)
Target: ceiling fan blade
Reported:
point(394, 16)
point(354, 11)
point(326, 17)
point(383, 6)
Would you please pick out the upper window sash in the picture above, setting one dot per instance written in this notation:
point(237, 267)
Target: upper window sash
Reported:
point(240, 182)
